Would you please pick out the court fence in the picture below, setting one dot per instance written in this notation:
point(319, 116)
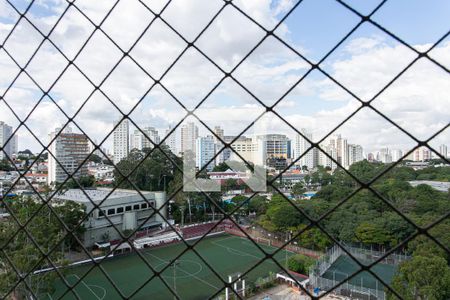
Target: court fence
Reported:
point(346, 289)
point(366, 256)
point(271, 241)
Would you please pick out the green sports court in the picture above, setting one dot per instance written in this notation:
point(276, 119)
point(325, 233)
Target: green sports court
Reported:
point(190, 277)
point(344, 267)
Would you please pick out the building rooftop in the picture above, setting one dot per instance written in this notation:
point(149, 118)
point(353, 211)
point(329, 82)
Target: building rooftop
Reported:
point(96, 194)
point(441, 186)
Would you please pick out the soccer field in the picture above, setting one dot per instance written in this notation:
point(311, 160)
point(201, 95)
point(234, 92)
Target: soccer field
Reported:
point(191, 278)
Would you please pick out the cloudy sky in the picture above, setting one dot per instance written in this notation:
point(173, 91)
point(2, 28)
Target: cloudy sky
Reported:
point(369, 59)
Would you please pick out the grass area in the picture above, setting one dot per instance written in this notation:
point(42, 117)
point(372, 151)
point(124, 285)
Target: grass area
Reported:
point(344, 266)
point(191, 277)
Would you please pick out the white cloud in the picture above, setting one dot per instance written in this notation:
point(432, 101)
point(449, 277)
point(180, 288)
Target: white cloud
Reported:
point(418, 101)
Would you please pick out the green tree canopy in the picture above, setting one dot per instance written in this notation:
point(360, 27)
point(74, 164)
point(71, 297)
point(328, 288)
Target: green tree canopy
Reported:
point(423, 277)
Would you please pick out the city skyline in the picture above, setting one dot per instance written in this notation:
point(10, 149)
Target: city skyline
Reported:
point(365, 63)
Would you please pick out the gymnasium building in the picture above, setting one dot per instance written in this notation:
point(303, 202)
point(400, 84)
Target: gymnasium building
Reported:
point(126, 209)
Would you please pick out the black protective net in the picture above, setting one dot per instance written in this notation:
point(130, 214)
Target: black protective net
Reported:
point(20, 279)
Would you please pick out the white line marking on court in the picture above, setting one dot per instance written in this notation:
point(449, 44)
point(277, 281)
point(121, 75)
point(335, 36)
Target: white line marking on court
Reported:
point(50, 296)
point(196, 277)
point(101, 288)
point(87, 286)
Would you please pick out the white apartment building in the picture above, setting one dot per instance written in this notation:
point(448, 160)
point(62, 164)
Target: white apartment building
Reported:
point(342, 151)
point(204, 152)
point(7, 143)
point(326, 161)
point(396, 154)
point(143, 139)
point(421, 154)
point(301, 145)
point(260, 148)
point(355, 153)
point(339, 149)
point(189, 135)
point(171, 140)
point(121, 145)
point(245, 147)
point(443, 150)
point(67, 152)
point(384, 156)
point(341, 146)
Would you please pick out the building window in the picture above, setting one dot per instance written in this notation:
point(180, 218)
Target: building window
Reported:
point(120, 210)
point(111, 211)
point(143, 205)
point(101, 213)
point(128, 208)
point(136, 207)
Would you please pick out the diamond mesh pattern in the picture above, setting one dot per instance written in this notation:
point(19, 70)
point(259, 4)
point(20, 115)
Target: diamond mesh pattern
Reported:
point(191, 42)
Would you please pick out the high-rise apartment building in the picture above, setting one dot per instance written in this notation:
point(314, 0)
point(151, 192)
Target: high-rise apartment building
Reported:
point(262, 148)
point(244, 146)
point(219, 132)
point(144, 139)
point(421, 154)
point(443, 150)
point(153, 134)
point(276, 145)
point(342, 151)
point(171, 140)
point(301, 146)
point(136, 140)
point(396, 154)
point(205, 151)
point(221, 157)
point(226, 152)
point(325, 160)
point(355, 153)
point(67, 152)
point(384, 156)
point(189, 135)
point(7, 142)
point(121, 143)
point(339, 149)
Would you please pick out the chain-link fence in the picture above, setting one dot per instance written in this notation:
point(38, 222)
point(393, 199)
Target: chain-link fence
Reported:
point(21, 281)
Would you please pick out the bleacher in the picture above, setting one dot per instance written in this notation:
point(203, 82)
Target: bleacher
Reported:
point(197, 230)
point(159, 237)
point(158, 240)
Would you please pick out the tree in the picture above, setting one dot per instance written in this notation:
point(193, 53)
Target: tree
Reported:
point(298, 189)
point(95, 158)
point(83, 182)
point(300, 263)
point(313, 238)
point(422, 277)
point(258, 205)
point(46, 232)
point(222, 167)
point(282, 214)
point(5, 165)
point(152, 169)
point(371, 234)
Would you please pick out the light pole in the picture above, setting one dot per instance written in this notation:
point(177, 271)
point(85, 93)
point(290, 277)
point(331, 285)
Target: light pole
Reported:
point(182, 208)
point(174, 266)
